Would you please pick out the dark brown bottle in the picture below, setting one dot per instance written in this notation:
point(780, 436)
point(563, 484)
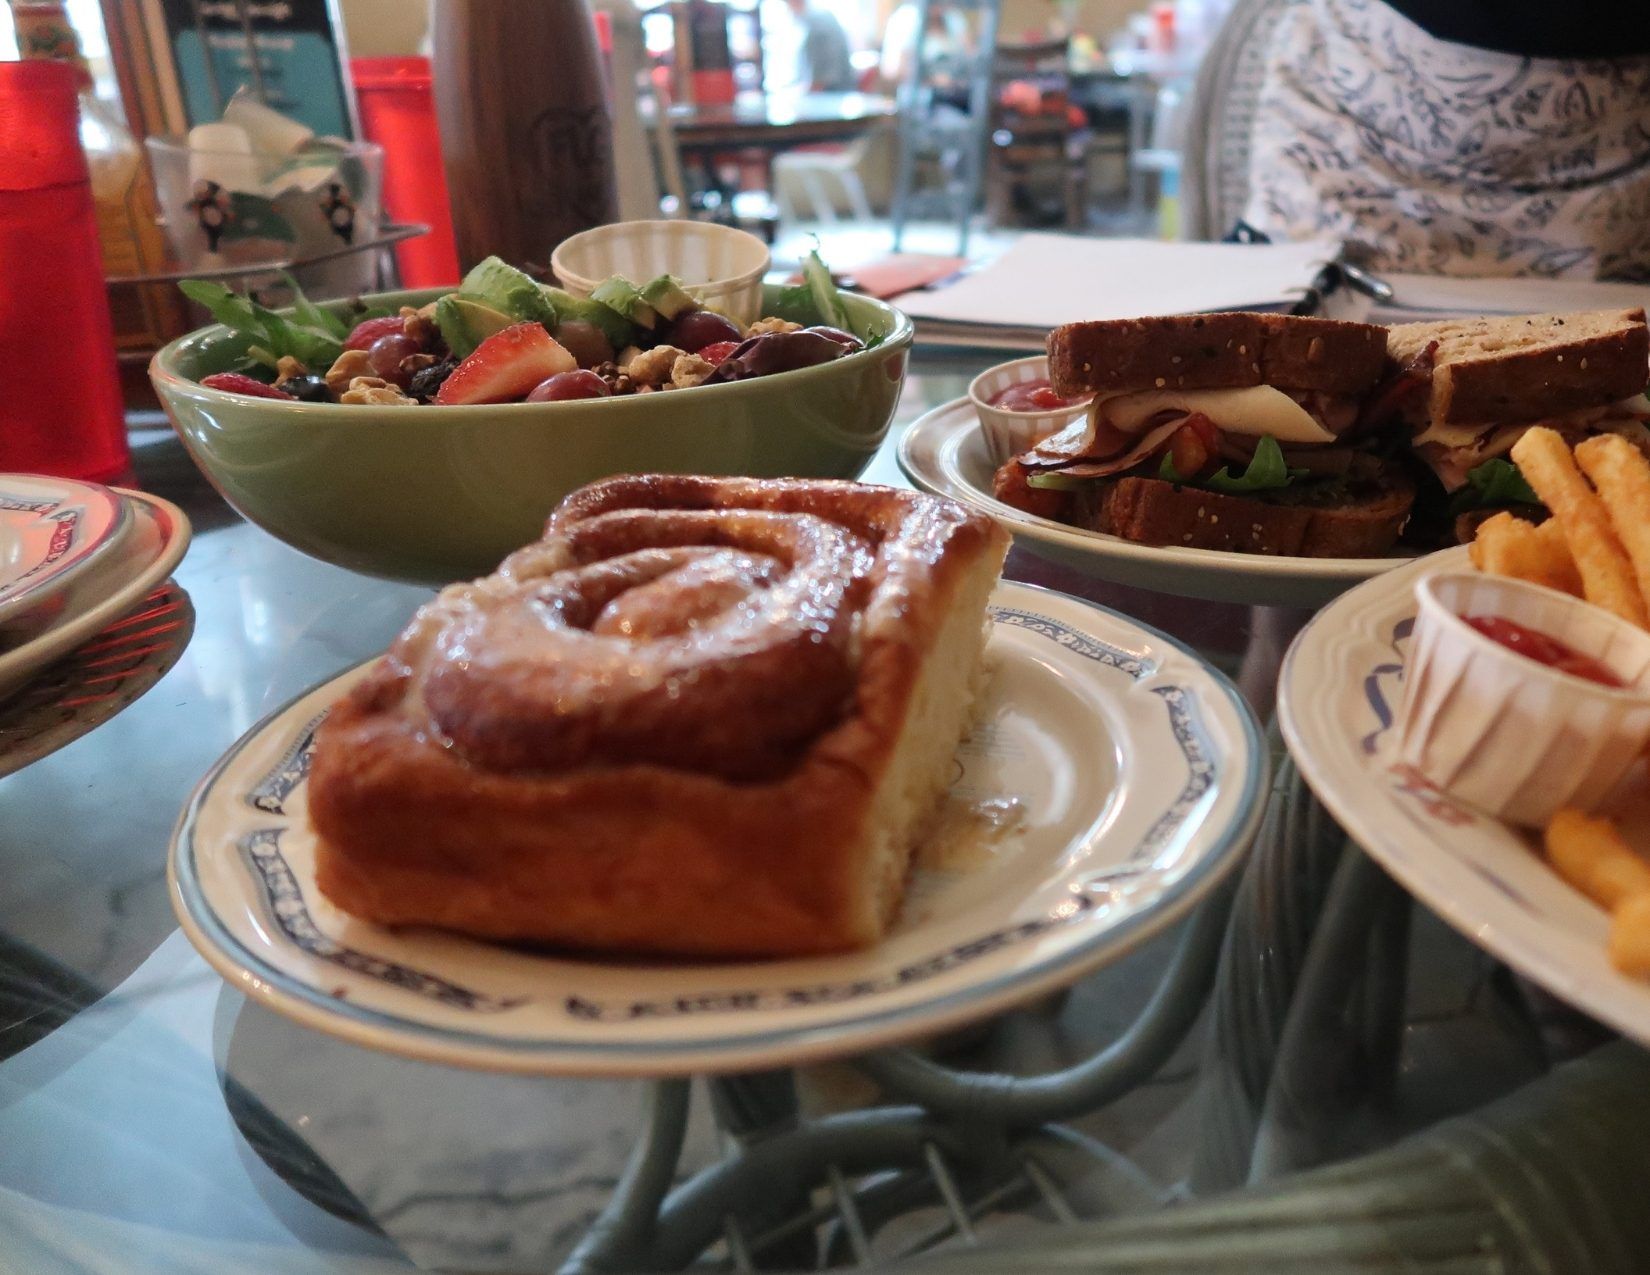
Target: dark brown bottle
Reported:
point(525, 129)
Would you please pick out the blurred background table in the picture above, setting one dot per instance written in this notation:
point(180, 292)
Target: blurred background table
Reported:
point(775, 121)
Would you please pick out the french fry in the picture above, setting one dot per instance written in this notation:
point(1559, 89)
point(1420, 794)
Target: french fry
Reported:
point(1590, 854)
point(1561, 565)
point(1630, 936)
point(1606, 572)
point(1621, 474)
point(1509, 546)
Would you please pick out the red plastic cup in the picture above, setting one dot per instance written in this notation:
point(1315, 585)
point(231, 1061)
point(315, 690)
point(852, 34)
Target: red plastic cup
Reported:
point(60, 403)
point(398, 113)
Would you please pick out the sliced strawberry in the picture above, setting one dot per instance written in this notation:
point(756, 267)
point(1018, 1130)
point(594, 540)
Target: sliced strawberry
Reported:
point(506, 366)
point(715, 352)
point(369, 330)
point(238, 383)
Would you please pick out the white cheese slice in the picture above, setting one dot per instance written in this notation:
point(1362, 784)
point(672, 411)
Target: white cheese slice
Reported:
point(1257, 411)
point(1467, 435)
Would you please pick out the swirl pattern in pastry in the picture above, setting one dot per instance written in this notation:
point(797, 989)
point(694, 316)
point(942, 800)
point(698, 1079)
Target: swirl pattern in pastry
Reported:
point(718, 684)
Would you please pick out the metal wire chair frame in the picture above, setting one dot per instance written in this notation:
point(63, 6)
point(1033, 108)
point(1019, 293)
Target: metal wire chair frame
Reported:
point(1313, 951)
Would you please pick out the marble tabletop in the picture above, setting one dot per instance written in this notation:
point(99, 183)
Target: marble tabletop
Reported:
point(153, 1120)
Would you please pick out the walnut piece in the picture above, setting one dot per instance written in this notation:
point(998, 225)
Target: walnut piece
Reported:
point(287, 367)
point(350, 364)
point(690, 370)
point(419, 326)
point(762, 326)
point(377, 391)
point(653, 367)
point(413, 364)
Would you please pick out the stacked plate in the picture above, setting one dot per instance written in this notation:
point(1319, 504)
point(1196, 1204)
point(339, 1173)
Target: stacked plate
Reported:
point(74, 557)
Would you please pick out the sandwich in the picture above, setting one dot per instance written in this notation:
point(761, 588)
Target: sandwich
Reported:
point(1468, 389)
point(1239, 431)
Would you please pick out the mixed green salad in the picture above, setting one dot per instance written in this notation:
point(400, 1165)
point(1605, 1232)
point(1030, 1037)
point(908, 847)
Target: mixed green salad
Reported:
point(503, 337)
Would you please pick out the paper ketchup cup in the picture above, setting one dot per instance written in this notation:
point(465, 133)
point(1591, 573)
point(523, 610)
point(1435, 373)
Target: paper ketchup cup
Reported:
point(1007, 434)
point(722, 265)
point(1506, 734)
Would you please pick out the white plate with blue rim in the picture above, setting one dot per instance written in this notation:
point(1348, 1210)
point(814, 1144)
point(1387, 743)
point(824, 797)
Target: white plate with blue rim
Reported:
point(1338, 695)
point(944, 451)
point(51, 530)
point(1125, 775)
point(115, 583)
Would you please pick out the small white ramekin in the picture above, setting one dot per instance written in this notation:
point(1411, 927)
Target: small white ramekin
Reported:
point(1503, 733)
point(722, 264)
point(1007, 434)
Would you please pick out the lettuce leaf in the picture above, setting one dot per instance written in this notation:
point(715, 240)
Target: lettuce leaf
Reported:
point(1267, 471)
point(271, 336)
point(1054, 480)
point(312, 315)
point(1494, 483)
point(815, 300)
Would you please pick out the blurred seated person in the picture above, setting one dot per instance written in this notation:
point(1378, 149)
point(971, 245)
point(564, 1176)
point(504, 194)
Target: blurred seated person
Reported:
point(947, 42)
point(824, 61)
point(1460, 137)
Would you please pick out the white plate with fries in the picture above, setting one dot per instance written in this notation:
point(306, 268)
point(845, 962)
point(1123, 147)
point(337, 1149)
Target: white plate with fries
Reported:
point(1573, 915)
point(1337, 700)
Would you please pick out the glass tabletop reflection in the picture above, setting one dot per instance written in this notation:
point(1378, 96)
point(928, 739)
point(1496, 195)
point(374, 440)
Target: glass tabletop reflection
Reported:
point(152, 1118)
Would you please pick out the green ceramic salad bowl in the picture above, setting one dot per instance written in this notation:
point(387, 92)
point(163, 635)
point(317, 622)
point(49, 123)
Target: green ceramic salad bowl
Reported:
point(436, 494)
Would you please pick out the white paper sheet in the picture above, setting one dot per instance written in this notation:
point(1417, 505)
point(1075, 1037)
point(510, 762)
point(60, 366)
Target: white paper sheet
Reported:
point(1043, 280)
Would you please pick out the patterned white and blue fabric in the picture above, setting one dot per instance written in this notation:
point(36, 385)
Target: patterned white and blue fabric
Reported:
point(1440, 158)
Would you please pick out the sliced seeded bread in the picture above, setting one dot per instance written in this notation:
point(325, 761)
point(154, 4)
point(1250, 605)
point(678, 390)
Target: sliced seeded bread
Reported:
point(1528, 367)
point(1151, 511)
point(1215, 351)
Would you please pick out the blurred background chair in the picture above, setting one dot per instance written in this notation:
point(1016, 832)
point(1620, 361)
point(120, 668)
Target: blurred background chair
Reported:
point(944, 105)
point(820, 172)
point(1219, 120)
point(1037, 131)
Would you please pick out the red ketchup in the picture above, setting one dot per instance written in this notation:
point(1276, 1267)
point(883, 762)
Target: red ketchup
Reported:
point(1030, 396)
point(1543, 649)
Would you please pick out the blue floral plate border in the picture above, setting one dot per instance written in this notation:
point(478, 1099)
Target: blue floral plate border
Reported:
point(254, 914)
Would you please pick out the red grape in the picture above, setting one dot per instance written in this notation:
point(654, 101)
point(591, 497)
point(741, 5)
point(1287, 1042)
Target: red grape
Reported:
point(714, 354)
point(385, 355)
point(369, 330)
point(699, 328)
point(585, 342)
point(569, 385)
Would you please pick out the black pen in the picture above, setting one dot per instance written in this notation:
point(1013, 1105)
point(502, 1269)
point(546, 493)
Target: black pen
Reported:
point(1366, 283)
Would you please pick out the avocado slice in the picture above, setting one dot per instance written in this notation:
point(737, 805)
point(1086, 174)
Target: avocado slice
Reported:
point(668, 297)
point(618, 293)
point(466, 322)
point(614, 326)
point(502, 286)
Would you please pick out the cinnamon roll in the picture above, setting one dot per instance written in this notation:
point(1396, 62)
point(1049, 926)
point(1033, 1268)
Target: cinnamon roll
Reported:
point(701, 716)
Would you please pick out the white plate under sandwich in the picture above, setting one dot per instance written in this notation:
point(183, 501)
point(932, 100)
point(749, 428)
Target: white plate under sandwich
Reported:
point(1340, 689)
point(944, 451)
point(1121, 778)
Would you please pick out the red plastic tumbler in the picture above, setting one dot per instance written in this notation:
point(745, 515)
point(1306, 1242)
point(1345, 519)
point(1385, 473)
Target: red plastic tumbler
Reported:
point(60, 402)
point(398, 113)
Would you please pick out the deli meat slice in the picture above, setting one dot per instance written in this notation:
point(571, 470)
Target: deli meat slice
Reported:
point(1137, 450)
